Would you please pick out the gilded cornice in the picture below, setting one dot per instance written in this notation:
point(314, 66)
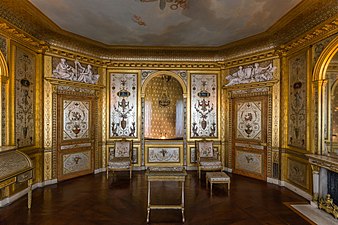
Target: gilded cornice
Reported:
point(262, 56)
point(163, 65)
point(21, 37)
point(61, 82)
point(310, 38)
point(306, 16)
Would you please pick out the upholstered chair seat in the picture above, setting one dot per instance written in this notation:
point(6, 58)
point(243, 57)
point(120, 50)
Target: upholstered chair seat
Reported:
point(209, 162)
point(119, 162)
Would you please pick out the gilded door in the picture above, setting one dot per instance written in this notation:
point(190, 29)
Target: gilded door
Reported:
point(249, 136)
point(75, 136)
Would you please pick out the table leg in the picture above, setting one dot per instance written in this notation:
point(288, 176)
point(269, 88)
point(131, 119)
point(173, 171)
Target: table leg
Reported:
point(30, 193)
point(211, 188)
point(148, 204)
point(183, 218)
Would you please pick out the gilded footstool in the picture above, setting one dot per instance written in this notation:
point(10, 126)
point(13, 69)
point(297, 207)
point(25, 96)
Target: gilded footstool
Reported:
point(217, 178)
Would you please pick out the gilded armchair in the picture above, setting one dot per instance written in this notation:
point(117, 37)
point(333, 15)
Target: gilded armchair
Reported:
point(120, 157)
point(207, 158)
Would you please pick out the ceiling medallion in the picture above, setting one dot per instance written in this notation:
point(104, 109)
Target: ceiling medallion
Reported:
point(174, 4)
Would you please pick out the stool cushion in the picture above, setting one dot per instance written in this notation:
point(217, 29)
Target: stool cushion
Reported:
point(217, 176)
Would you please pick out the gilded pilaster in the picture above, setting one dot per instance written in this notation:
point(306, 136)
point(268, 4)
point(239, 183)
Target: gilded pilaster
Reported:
point(104, 116)
point(275, 141)
point(48, 111)
point(284, 101)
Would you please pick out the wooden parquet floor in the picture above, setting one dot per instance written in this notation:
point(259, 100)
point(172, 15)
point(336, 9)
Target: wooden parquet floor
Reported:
point(92, 200)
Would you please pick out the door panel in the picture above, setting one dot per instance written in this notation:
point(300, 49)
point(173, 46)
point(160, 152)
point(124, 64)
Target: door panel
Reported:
point(249, 136)
point(75, 136)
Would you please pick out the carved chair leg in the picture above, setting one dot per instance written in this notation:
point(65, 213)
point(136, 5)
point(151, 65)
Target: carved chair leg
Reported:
point(199, 173)
point(107, 175)
point(130, 173)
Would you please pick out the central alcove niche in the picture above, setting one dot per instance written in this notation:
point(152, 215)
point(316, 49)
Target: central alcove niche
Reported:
point(164, 118)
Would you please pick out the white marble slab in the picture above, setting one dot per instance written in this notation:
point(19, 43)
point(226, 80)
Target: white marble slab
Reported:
point(316, 215)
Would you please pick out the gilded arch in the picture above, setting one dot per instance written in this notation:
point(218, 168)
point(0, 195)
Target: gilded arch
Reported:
point(324, 60)
point(3, 66)
point(169, 73)
point(321, 102)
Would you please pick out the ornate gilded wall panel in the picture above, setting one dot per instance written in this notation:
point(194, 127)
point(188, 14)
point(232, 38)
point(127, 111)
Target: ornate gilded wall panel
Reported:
point(297, 100)
point(297, 172)
point(123, 105)
point(204, 104)
point(163, 155)
point(193, 155)
point(76, 162)
point(76, 119)
point(24, 98)
point(249, 120)
point(249, 161)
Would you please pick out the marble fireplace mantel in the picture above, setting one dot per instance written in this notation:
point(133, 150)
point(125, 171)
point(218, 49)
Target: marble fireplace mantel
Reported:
point(323, 161)
point(321, 198)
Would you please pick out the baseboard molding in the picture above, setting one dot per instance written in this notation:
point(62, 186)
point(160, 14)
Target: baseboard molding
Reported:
point(191, 168)
point(297, 190)
point(226, 169)
point(100, 170)
point(273, 181)
point(13, 198)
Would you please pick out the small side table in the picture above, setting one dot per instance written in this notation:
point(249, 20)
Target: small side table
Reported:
point(217, 178)
point(166, 174)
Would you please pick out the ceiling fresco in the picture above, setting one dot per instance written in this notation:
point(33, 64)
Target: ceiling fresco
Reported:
point(165, 22)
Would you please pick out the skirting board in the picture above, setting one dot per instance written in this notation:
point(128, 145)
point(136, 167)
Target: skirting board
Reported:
point(227, 169)
point(296, 190)
point(18, 195)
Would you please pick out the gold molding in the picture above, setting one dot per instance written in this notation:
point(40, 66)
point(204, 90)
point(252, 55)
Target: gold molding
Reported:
point(251, 58)
point(55, 81)
point(58, 52)
point(162, 65)
point(310, 38)
point(251, 85)
point(22, 37)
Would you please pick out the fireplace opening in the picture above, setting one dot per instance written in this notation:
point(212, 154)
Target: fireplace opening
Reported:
point(332, 185)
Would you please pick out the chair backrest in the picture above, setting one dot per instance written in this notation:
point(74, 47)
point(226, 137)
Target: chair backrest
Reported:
point(123, 148)
point(205, 148)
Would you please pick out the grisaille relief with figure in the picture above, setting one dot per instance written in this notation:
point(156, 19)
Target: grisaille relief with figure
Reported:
point(257, 72)
point(74, 71)
point(123, 105)
point(204, 105)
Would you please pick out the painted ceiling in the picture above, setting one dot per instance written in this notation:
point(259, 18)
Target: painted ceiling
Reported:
point(165, 22)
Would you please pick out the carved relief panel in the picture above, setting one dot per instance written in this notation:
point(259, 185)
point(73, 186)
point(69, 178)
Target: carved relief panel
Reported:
point(74, 71)
point(297, 101)
point(123, 105)
point(24, 98)
point(203, 105)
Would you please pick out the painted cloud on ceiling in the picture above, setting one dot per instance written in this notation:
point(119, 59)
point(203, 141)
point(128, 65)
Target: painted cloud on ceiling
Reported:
point(202, 23)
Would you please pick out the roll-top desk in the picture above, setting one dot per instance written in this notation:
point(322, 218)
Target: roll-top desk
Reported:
point(15, 167)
